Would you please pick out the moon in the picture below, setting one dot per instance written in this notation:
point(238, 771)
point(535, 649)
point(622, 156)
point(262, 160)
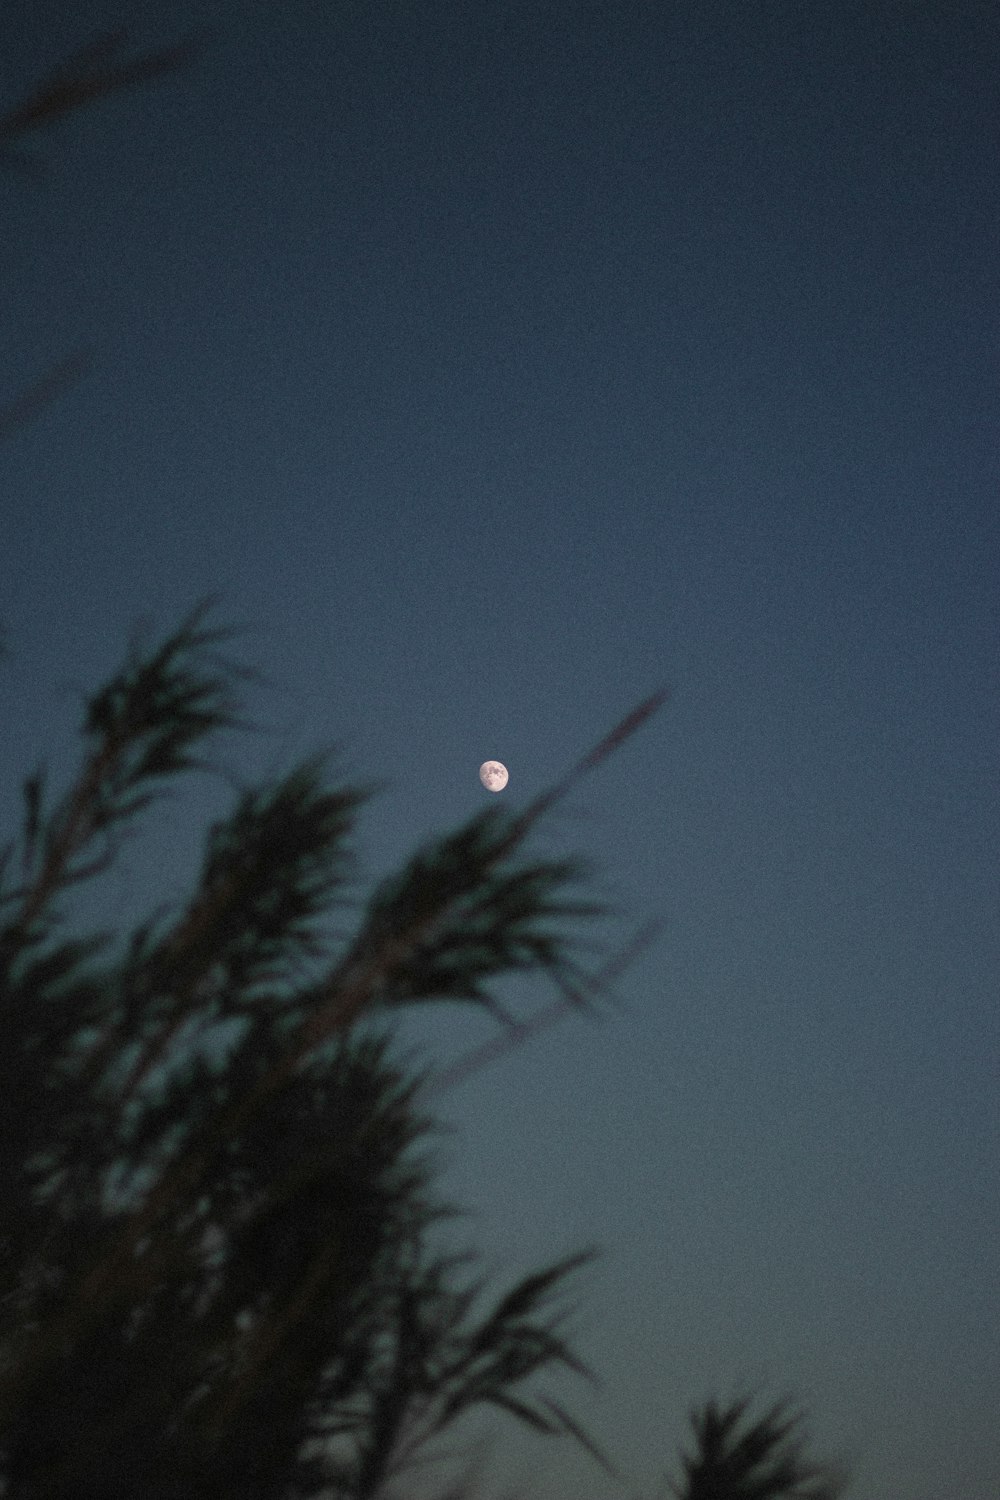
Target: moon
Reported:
point(493, 775)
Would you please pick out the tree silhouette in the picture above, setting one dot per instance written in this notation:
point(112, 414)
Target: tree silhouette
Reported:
point(217, 1273)
point(736, 1459)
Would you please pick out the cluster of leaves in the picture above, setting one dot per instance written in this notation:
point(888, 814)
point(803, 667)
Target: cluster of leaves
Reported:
point(215, 1208)
point(763, 1459)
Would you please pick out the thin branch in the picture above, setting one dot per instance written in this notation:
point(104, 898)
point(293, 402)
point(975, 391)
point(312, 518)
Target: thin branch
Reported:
point(351, 993)
point(33, 400)
point(522, 1031)
point(92, 73)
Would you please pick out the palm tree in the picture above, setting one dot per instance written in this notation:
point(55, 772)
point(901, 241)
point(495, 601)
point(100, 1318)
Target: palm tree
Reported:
point(214, 1197)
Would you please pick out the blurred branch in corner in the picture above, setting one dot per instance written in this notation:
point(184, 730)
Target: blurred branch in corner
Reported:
point(91, 73)
point(34, 398)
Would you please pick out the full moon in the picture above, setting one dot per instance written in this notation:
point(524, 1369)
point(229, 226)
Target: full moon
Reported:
point(493, 775)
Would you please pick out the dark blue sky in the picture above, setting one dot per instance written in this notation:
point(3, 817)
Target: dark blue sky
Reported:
point(496, 363)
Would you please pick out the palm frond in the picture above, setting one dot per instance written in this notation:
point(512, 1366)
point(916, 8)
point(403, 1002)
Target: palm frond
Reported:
point(462, 913)
point(139, 730)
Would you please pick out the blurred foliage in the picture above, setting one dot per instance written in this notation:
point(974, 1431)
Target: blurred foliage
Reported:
point(217, 1274)
point(764, 1459)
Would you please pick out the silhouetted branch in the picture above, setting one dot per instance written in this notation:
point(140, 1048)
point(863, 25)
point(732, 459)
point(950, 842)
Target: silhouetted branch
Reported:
point(521, 1032)
point(92, 73)
point(33, 400)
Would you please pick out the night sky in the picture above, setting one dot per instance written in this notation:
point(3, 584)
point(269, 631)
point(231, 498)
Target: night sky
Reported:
point(495, 364)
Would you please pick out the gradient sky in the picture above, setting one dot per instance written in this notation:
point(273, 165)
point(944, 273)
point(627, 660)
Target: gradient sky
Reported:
point(497, 363)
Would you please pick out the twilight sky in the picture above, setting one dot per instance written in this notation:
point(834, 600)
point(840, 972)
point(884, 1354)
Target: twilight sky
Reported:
point(496, 363)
